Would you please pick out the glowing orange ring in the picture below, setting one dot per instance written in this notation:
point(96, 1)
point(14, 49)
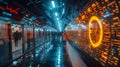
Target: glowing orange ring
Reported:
point(95, 18)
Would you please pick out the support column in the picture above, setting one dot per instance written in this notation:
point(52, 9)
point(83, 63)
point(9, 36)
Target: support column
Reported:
point(10, 42)
point(34, 41)
point(23, 43)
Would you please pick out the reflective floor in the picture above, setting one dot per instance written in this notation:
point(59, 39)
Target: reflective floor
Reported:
point(57, 57)
point(56, 54)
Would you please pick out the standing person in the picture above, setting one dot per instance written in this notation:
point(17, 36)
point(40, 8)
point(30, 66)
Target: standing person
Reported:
point(15, 35)
point(65, 38)
point(19, 35)
point(28, 40)
point(19, 39)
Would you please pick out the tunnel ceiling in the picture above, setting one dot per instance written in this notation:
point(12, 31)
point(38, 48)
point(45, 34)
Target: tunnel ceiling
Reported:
point(55, 13)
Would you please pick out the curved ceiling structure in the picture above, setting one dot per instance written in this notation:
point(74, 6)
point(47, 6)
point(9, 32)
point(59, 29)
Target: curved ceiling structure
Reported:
point(54, 13)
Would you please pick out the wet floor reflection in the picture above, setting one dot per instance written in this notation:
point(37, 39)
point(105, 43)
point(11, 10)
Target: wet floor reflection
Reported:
point(57, 57)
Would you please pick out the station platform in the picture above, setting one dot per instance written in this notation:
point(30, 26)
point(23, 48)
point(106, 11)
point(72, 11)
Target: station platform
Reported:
point(57, 54)
point(62, 55)
point(58, 57)
point(67, 55)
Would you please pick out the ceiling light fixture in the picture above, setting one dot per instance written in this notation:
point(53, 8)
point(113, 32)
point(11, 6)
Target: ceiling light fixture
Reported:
point(53, 4)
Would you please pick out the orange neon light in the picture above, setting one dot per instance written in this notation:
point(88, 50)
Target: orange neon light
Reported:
point(95, 18)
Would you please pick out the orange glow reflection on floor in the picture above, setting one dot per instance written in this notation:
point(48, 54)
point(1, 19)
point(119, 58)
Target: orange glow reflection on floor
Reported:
point(95, 18)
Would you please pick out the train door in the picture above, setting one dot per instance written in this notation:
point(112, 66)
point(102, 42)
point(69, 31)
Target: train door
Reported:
point(16, 40)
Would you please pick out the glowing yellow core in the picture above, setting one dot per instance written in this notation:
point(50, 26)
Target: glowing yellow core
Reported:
point(95, 18)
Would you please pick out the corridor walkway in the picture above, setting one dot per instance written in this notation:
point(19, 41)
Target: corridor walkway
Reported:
point(74, 56)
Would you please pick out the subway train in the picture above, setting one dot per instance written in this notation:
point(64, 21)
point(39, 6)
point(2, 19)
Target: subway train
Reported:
point(11, 39)
point(18, 40)
point(96, 31)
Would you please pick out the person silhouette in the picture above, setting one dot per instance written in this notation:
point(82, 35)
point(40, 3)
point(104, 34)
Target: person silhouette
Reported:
point(16, 38)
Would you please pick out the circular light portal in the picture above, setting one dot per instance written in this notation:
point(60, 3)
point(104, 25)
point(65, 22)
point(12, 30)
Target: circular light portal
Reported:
point(96, 44)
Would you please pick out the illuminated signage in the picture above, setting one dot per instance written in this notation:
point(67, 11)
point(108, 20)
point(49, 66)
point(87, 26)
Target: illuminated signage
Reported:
point(10, 9)
point(96, 44)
